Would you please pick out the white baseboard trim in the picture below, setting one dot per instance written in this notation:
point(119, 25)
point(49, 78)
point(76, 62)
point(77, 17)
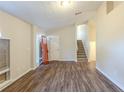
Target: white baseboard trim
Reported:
point(13, 80)
point(91, 60)
point(5, 84)
point(33, 68)
point(63, 60)
point(115, 82)
point(67, 60)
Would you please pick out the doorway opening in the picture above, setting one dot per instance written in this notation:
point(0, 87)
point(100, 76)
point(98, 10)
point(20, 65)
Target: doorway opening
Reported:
point(82, 43)
point(41, 50)
point(86, 34)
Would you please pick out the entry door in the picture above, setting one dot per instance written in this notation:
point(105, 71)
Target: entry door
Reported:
point(54, 48)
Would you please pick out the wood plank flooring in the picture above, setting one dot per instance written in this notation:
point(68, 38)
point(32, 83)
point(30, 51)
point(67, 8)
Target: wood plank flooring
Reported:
point(63, 76)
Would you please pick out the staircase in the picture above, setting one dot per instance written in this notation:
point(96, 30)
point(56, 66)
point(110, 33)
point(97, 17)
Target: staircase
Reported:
point(81, 56)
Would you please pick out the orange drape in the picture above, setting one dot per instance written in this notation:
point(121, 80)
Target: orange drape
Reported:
point(44, 50)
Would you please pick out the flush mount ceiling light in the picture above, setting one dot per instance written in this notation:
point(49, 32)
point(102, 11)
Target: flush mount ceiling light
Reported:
point(0, 34)
point(65, 3)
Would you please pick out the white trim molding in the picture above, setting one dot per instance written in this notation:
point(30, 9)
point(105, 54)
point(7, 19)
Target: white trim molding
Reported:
point(9, 82)
point(108, 77)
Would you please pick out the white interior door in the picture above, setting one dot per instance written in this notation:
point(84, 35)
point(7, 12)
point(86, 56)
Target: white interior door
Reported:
point(54, 48)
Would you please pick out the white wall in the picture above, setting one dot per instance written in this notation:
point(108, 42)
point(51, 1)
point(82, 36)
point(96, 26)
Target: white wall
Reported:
point(81, 32)
point(92, 39)
point(20, 44)
point(110, 43)
point(36, 36)
point(68, 42)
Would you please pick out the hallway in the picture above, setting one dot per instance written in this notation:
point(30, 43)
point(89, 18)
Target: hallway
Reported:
point(63, 76)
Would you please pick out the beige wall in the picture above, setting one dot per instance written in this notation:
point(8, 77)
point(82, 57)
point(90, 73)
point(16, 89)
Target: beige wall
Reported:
point(68, 43)
point(19, 33)
point(37, 32)
point(110, 43)
point(92, 29)
point(22, 45)
point(92, 39)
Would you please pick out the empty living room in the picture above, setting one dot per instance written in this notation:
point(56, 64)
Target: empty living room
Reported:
point(61, 46)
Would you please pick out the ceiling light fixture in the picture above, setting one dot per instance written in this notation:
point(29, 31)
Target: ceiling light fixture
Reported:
point(0, 34)
point(65, 3)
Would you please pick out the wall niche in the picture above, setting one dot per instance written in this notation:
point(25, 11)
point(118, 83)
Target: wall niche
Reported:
point(4, 60)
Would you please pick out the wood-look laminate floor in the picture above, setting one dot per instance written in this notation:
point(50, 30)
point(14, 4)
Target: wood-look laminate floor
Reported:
point(63, 76)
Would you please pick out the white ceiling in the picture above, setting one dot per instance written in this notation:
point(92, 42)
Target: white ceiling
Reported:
point(51, 15)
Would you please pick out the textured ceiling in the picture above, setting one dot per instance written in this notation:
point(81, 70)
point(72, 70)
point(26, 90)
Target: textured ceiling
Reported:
point(51, 15)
